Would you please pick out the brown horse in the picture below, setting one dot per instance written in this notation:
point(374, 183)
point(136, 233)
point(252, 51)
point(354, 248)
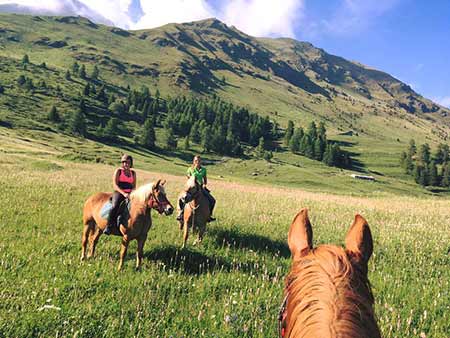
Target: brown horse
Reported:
point(196, 211)
point(147, 197)
point(327, 293)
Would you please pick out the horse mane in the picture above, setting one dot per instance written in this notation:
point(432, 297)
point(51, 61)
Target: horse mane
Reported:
point(190, 183)
point(142, 194)
point(329, 296)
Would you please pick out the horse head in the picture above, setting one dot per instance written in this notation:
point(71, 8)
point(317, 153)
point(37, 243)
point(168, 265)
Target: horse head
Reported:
point(327, 292)
point(158, 199)
point(192, 189)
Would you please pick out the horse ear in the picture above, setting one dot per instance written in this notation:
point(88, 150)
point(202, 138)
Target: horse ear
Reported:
point(163, 182)
point(300, 235)
point(358, 241)
point(157, 184)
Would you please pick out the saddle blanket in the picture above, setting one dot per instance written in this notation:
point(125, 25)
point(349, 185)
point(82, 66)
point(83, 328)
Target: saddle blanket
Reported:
point(124, 213)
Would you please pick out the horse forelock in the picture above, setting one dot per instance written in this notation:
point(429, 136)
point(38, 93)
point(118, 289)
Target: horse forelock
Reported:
point(190, 183)
point(142, 194)
point(329, 297)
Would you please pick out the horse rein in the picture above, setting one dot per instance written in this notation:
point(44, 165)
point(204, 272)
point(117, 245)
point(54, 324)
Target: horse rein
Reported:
point(282, 313)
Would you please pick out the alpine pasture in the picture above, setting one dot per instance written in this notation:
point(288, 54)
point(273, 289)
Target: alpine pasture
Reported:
point(229, 286)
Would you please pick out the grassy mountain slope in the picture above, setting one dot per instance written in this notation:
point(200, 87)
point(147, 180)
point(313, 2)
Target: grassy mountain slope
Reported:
point(282, 78)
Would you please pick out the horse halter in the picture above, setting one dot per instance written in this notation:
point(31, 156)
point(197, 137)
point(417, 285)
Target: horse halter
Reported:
point(154, 203)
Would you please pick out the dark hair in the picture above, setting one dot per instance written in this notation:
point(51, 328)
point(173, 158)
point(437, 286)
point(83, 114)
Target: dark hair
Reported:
point(126, 157)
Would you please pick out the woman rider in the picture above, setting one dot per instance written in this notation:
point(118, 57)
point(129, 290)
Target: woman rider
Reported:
point(124, 182)
point(200, 175)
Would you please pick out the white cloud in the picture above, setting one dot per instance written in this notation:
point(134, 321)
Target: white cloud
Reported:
point(254, 17)
point(264, 17)
point(114, 10)
point(443, 101)
point(160, 12)
point(354, 16)
point(49, 5)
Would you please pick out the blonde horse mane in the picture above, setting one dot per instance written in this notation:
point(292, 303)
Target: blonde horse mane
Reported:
point(328, 294)
point(142, 194)
point(329, 297)
point(190, 183)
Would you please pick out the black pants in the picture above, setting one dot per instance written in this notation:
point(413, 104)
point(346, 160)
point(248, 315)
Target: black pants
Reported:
point(211, 199)
point(116, 199)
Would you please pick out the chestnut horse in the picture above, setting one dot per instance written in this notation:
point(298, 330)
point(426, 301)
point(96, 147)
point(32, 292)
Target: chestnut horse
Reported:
point(196, 211)
point(147, 197)
point(327, 293)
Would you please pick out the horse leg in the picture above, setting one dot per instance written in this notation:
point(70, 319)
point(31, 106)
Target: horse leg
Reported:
point(140, 251)
point(123, 251)
point(84, 239)
point(185, 234)
point(93, 239)
point(201, 232)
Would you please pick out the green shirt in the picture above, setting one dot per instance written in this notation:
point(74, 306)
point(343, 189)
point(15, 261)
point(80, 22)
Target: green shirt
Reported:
point(198, 173)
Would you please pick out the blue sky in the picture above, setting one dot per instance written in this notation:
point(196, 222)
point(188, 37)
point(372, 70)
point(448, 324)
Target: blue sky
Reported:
point(408, 39)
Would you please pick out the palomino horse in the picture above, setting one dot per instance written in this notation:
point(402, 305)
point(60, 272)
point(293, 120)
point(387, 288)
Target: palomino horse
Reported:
point(147, 197)
point(327, 293)
point(196, 211)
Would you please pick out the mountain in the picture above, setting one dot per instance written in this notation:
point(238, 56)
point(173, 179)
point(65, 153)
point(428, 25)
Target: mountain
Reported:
point(283, 79)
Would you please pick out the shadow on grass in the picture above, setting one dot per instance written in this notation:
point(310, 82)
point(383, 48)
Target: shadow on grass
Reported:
point(187, 260)
point(241, 240)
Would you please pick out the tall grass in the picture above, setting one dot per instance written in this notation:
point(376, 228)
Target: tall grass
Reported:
point(230, 286)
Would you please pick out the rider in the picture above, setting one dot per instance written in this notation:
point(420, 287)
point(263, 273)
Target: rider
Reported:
point(124, 181)
point(200, 175)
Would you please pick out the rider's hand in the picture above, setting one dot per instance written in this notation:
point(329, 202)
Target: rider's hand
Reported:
point(126, 195)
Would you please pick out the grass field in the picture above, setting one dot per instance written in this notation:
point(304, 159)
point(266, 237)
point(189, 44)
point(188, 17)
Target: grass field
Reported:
point(230, 286)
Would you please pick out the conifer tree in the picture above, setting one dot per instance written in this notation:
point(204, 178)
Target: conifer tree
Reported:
point(29, 84)
point(424, 154)
point(186, 144)
point(21, 80)
point(289, 133)
point(25, 59)
point(434, 179)
point(294, 142)
point(77, 124)
point(53, 115)
point(206, 139)
point(412, 148)
point(67, 75)
point(87, 89)
point(312, 131)
point(75, 68)
point(260, 149)
point(170, 141)
point(83, 72)
point(148, 135)
point(95, 73)
point(445, 182)
point(111, 129)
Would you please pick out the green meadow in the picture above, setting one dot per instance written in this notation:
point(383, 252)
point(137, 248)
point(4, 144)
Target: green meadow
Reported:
point(232, 284)
point(229, 286)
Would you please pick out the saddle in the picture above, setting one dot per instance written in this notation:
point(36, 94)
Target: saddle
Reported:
point(123, 214)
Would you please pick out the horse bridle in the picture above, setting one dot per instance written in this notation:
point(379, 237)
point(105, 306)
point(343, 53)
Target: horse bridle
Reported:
point(282, 314)
point(153, 201)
